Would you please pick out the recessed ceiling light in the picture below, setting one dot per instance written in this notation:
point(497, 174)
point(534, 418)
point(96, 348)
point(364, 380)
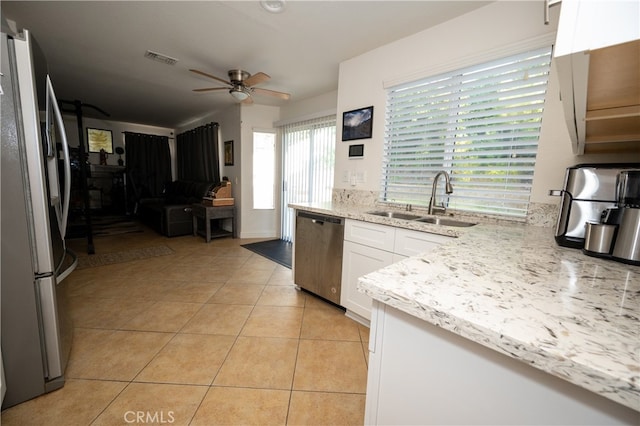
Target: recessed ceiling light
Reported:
point(273, 6)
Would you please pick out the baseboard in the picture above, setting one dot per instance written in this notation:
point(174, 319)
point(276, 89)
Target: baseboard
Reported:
point(357, 318)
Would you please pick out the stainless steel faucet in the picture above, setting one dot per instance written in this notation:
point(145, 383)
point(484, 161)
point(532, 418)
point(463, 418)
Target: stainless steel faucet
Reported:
point(433, 209)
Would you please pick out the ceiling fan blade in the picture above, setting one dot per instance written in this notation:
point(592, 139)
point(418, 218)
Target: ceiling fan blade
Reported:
point(268, 92)
point(256, 78)
point(208, 89)
point(248, 101)
point(210, 76)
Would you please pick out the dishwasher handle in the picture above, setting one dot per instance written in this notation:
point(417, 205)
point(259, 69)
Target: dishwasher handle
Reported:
point(320, 219)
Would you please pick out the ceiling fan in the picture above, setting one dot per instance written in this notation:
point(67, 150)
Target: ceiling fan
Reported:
point(240, 85)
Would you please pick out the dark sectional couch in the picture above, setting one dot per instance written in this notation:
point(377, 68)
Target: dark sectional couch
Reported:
point(171, 214)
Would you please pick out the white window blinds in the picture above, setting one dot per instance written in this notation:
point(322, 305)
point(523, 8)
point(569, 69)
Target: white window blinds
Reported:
point(480, 124)
point(308, 163)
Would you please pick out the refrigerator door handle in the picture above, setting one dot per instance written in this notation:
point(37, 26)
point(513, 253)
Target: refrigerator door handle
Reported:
point(67, 160)
point(51, 153)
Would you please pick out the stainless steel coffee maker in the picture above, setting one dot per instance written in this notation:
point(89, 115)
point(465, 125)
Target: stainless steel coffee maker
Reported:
point(590, 190)
point(627, 242)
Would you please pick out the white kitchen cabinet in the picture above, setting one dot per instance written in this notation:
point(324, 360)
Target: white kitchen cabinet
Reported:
point(422, 374)
point(359, 260)
point(369, 247)
point(586, 25)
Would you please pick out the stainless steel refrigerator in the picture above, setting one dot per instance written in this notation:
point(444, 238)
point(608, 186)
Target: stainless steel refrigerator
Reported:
point(36, 331)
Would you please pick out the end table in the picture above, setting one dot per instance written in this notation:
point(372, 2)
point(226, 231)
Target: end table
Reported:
point(207, 213)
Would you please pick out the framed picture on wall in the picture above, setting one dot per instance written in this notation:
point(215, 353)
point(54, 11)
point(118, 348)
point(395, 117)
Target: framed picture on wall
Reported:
point(357, 124)
point(228, 153)
point(100, 139)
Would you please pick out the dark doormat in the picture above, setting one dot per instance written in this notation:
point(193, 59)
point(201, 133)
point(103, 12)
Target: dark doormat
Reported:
point(279, 251)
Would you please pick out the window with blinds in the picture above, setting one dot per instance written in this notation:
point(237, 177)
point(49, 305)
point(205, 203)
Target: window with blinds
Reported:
point(308, 162)
point(480, 124)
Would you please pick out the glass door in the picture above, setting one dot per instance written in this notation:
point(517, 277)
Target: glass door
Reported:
point(307, 166)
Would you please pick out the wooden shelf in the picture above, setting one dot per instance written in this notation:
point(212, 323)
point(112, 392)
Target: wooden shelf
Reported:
point(618, 112)
point(612, 119)
point(612, 147)
point(613, 125)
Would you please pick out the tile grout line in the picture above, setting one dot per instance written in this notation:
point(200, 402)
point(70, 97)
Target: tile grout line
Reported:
point(184, 250)
point(295, 363)
point(235, 340)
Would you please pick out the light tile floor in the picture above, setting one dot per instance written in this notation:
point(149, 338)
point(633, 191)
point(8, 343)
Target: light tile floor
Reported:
point(212, 334)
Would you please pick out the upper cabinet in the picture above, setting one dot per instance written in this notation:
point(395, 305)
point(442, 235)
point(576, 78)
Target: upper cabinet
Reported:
point(593, 24)
point(597, 55)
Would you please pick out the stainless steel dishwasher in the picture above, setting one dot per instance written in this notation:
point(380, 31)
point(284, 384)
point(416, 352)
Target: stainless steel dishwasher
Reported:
point(318, 254)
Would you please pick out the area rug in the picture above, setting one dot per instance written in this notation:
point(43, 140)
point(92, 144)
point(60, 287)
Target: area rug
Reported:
point(116, 229)
point(279, 251)
point(94, 260)
point(103, 226)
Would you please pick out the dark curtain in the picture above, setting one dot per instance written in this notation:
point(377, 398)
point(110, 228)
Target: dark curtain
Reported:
point(198, 155)
point(148, 164)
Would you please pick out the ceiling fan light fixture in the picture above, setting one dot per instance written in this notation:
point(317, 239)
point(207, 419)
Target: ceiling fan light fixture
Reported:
point(273, 6)
point(238, 94)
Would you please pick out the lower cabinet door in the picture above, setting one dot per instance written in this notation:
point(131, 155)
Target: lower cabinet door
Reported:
point(359, 260)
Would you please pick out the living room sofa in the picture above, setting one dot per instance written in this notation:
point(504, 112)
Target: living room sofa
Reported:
point(170, 214)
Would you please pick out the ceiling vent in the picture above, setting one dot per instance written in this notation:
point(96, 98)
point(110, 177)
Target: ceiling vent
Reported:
point(160, 57)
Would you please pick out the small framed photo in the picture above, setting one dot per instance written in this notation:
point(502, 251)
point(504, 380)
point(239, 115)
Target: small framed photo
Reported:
point(228, 153)
point(100, 139)
point(357, 124)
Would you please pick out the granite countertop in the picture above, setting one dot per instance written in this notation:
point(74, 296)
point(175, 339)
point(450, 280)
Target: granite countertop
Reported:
point(511, 288)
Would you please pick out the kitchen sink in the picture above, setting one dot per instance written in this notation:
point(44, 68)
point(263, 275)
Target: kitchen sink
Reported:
point(430, 219)
point(445, 221)
point(396, 215)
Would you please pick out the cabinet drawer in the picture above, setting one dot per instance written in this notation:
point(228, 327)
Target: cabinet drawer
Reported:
point(411, 243)
point(370, 234)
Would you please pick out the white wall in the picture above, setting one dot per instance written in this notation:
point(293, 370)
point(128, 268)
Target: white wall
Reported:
point(490, 28)
point(300, 110)
point(230, 122)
